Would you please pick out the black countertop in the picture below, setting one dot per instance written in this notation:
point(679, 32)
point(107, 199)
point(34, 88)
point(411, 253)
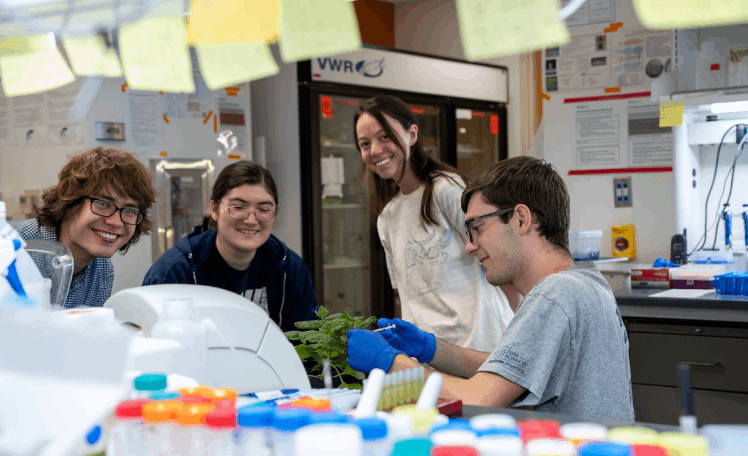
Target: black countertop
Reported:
point(711, 306)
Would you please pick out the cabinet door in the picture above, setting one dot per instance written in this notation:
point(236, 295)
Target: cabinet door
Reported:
point(655, 357)
point(658, 404)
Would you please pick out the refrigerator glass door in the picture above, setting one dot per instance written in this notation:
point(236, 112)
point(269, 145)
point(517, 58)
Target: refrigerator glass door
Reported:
point(427, 119)
point(345, 211)
point(477, 140)
point(183, 188)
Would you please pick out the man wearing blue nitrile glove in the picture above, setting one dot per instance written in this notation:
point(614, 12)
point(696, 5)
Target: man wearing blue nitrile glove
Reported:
point(407, 338)
point(367, 350)
point(565, 350)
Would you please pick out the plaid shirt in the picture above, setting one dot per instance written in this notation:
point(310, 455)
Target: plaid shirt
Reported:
point(90, 287)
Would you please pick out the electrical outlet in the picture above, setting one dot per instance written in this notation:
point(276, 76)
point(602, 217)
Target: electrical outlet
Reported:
point(622, 192)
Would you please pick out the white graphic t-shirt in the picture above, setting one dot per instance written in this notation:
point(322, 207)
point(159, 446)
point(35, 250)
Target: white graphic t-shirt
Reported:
point(442, 289)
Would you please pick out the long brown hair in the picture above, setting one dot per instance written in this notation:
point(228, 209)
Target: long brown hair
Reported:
point(87, 174)
point(235, 175)
point(425, 168)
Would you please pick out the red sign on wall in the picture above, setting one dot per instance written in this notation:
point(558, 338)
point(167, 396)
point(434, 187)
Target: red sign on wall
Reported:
point(494, 124)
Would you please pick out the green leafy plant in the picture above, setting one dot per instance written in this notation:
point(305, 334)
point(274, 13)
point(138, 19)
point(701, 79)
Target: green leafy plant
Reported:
point(325, 339)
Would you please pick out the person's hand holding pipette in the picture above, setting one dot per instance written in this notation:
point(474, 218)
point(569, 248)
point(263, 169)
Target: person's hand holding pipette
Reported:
point(407, 338)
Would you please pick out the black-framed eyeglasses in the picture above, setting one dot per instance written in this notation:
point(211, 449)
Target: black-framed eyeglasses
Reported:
point(469, 222)
point(106, 209)
point(262, 214)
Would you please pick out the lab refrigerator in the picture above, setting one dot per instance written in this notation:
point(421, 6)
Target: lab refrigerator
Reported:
point(460, 110)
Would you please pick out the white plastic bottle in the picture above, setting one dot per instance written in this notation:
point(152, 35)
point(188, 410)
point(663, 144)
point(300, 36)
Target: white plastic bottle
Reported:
point(34, 286)
point(127, 436)
point(178, 322)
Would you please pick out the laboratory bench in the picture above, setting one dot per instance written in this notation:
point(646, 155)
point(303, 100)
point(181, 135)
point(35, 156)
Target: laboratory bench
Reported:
point(708, 331)
point(469, 411)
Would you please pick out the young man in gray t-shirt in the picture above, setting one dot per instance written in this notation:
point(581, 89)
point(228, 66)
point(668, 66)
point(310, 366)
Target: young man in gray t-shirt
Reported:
point(565, 350)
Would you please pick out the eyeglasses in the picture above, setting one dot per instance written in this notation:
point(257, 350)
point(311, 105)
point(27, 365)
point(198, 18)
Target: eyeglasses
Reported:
point(262, 214)
point(468, 222)
point(106, 209)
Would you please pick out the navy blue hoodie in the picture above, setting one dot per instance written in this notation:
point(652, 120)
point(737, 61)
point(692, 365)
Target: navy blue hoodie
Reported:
point(290, 293)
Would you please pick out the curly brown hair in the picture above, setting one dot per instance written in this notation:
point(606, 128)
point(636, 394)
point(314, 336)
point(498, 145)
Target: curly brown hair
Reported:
point(87, 174)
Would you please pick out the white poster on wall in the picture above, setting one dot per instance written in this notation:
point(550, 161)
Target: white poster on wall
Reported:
point(648, 143)
point(146, 111)
point(232, 124)
point(599, 130)
point(582, 64)
point(592, 13)
point(620, 134)
point(639, 57)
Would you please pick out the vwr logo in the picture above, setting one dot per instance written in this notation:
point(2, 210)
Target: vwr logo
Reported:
point(368, 68)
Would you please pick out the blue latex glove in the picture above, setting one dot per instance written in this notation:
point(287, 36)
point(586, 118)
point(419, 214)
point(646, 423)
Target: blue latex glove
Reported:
point(367, 350)
point(407, 338)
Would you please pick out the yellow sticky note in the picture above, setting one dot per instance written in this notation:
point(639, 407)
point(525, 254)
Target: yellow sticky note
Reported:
point(40, 69)
point(315, 28)
point(155, 55)
point(90, 56)
point(225, 21)
point(14, 45)
point(227, 64)
point(672, 14)
point(671, 114)
point(495, 28)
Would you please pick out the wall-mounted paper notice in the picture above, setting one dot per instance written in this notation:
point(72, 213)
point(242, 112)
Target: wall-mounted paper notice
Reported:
point(671, 114)
point(90, 56)
point(227, 64)
point(316, 28)
point(155, 55)
point(233, 21)
point(40, 69)
point(495, 28)
point(676, 14)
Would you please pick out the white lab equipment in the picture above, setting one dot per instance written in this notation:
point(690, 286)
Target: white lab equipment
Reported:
point(247, 351)
point(333, 177)
point(20, 280)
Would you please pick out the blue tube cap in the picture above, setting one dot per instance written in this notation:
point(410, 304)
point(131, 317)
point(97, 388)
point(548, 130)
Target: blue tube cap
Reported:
point(255, 416)
point(412, 447)
point(452, 425)
point(498, 432)
point(329, 418)
point(605, 449)
point(164, 396)
point(291, 420)
point(372, 428)
point(150, 382)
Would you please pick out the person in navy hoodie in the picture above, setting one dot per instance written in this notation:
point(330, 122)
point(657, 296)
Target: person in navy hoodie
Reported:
point(235, 250)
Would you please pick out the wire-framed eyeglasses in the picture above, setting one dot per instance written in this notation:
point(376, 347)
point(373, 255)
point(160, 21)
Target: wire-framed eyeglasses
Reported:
point(469, 222)
point(106, 209)
point(263, 214)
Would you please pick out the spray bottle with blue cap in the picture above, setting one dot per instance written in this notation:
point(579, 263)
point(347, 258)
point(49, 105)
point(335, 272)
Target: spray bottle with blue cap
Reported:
point(21, 283)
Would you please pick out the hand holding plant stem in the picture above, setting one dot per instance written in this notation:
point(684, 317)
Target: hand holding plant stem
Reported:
point(325, 338)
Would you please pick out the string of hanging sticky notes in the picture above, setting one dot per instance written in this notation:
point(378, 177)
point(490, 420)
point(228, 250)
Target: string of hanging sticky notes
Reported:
point(231, 37)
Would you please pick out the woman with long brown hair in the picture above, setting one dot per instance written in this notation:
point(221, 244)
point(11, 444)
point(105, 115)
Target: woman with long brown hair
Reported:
point(421, 225)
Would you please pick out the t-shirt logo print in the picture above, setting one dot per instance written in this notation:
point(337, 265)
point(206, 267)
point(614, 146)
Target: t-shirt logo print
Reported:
point(424, 257)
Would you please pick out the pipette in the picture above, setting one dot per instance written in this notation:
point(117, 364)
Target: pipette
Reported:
point(386, 327)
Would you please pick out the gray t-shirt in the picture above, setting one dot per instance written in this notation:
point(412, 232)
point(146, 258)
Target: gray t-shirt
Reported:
point(568, 347)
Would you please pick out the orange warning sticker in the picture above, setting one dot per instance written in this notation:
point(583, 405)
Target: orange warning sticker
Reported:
point(215, 124)
point(207, 118)
point(123, 87)
point(164, 153)
point(612, 90)
point(166, 118)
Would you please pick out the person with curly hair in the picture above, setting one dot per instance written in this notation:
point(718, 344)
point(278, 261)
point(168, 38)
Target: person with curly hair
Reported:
point(98, 207)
